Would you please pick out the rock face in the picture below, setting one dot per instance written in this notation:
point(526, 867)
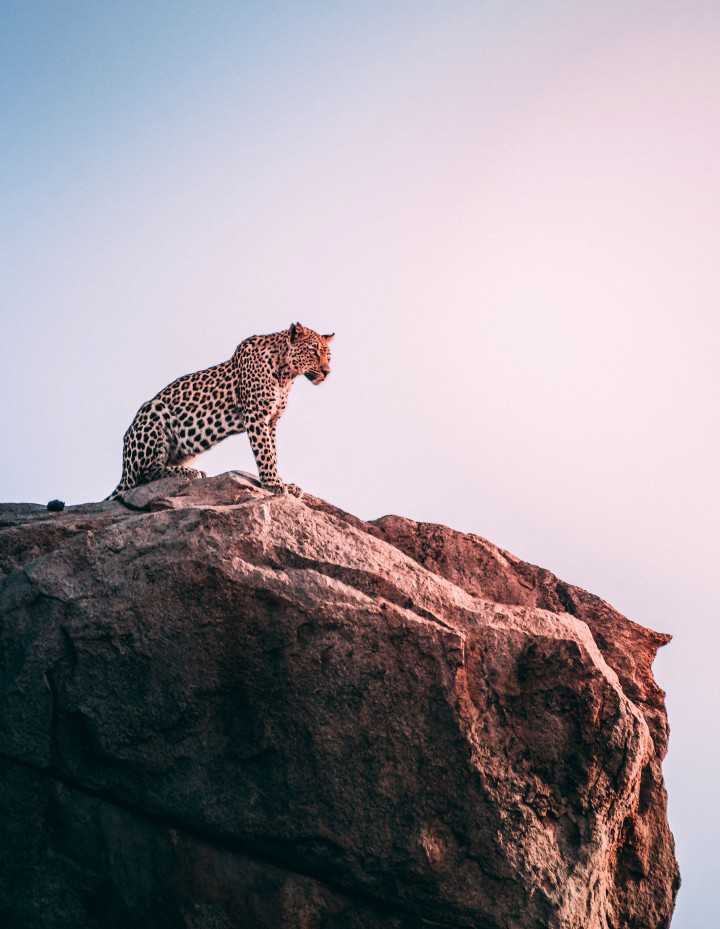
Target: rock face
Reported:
point(223, 709)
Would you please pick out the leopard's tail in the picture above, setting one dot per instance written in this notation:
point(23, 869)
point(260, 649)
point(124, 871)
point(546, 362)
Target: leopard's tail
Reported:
point(121, 487)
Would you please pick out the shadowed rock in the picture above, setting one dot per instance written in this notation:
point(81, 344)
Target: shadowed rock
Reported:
point(224, 708)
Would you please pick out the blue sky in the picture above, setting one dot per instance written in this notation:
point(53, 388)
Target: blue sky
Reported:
point(508, 213)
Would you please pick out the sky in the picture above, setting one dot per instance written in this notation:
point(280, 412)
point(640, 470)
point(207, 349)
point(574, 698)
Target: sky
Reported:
point(508, 213)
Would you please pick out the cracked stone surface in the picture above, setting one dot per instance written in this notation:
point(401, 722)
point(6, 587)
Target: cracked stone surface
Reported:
point(225, 708)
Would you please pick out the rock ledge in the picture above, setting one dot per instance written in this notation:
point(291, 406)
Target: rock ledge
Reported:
point(223, 708)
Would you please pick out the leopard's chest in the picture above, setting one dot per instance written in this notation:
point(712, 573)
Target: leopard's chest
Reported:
point(280, 402)
point(266, 399)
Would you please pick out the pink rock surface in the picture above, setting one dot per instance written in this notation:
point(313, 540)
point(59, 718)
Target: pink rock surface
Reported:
point(225, 708)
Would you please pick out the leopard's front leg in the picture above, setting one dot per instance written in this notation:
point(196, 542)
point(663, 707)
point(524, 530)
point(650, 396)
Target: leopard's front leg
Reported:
point(263, 441)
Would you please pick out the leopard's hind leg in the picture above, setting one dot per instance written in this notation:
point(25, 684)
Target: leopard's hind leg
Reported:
point(146, 452)
point(165, 458)
point(192, 473)
point(150, 452)
point(136, 444)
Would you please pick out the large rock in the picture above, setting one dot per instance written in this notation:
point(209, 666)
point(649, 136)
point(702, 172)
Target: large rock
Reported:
point(223, 708)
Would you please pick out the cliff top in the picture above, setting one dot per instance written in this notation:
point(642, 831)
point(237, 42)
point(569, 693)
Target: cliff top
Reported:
point(388, 723)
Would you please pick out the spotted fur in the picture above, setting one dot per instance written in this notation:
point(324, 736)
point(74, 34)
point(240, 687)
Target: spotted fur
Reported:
point(246, 393)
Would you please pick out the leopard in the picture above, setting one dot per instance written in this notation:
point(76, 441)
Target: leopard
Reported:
point(246, 393)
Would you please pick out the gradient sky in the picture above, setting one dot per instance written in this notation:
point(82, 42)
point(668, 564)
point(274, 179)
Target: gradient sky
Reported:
point(508, 213)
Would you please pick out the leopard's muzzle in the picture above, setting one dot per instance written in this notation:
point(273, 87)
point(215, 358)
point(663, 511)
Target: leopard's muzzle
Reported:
point(317, 377)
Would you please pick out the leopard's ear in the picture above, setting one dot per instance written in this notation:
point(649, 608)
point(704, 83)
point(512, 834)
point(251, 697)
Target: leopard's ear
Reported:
point(297, 331)
point(330, 337)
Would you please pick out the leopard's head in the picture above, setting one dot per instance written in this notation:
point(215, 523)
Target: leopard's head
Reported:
point(309, 352)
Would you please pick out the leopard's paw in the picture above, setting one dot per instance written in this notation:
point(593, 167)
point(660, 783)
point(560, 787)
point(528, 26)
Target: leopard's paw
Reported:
point(274, 488)
point(282, 488)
